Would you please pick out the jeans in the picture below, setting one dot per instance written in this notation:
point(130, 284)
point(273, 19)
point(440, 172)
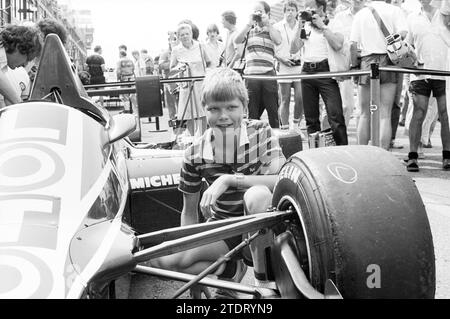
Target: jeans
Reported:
point(263, 95)
point(331, 95)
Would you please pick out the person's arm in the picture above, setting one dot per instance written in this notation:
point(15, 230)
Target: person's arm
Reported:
point(400, 23)
point(174, 62)
point(10, 95)
point(272, 160)
point(238, 52)
point(284, 61)
point(224, 182)
point(275, 34)
point(236, 56)
point(205, 57)
point(189, 214)
point(240, 37)
point(335, 39)
point(297, 43)
point(118, 71)
point(102, 64)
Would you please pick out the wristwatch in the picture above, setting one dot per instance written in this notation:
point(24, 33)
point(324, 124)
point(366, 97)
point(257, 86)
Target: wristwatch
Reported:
point(238, 180)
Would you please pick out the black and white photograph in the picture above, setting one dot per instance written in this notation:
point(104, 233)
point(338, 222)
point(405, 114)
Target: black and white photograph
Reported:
point(252, 151)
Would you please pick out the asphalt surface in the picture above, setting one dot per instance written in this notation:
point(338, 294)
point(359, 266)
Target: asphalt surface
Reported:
point(433, 184)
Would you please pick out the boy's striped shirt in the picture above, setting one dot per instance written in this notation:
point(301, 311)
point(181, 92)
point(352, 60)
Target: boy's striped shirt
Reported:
point(257, 149)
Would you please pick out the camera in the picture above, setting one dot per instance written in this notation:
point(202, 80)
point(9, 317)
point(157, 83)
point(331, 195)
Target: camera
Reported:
point(304, 35)
point(257, 16)
point(296, 62)
point(307, 16)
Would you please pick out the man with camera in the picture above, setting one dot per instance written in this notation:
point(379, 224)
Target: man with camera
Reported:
point(289, 63)
point(261, 38)
point(317, 42)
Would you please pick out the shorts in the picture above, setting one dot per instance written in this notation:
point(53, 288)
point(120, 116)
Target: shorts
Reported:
point(382, 60)
point(230, 242)
point(425, 87)
point(283, 70)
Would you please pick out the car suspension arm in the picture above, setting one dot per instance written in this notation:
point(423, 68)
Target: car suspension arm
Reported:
point(216, 264)
point(200, 239)
point(158, 237)
point(258, 292)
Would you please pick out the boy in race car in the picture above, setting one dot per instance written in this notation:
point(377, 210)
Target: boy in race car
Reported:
point(240, 161)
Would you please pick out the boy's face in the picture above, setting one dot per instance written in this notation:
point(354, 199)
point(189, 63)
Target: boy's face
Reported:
point(225, 115)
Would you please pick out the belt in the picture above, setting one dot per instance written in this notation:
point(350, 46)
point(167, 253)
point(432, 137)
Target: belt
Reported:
point(316, 65)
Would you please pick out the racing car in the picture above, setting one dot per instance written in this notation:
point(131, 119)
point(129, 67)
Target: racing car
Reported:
point(81, 206)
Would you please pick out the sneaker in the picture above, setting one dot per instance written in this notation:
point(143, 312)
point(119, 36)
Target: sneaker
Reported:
point(412, 165)
point(395, 145)
point(225, 294)
point(265, 284)
point(428, 145)
point(446, 164)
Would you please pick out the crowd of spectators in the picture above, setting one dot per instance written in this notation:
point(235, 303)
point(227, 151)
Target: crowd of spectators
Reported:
point(322, 38)
point(309, 39)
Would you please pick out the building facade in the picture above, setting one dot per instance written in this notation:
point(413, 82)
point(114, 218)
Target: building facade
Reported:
point(79, 37)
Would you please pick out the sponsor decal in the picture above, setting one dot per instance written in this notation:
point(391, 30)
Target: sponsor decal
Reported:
point(343, 173)
point(155, 181)
point(24, 275)
point(32, 220)
point(29, 166)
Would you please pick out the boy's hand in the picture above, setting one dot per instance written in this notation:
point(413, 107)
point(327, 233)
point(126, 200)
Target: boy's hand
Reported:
point(213, 192)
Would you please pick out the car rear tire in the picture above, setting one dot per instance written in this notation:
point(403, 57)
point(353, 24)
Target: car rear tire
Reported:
point(361, 223)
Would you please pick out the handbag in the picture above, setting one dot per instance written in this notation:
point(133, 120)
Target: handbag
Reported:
point(399, 51)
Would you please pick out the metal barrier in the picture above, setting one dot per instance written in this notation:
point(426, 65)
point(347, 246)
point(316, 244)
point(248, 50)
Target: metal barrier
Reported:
point(373, 72)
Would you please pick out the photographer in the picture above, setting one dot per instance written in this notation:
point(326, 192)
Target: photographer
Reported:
point(317, 44)
point(289, 63)
point(262, 38)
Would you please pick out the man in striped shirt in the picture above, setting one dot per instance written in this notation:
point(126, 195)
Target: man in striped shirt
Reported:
point(260, 57)
point(239, 160)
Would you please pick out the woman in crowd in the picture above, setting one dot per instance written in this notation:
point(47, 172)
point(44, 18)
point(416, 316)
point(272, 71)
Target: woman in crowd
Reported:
point(191, 59)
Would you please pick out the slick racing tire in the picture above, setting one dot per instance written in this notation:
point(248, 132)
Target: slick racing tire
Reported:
point(360, 221)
